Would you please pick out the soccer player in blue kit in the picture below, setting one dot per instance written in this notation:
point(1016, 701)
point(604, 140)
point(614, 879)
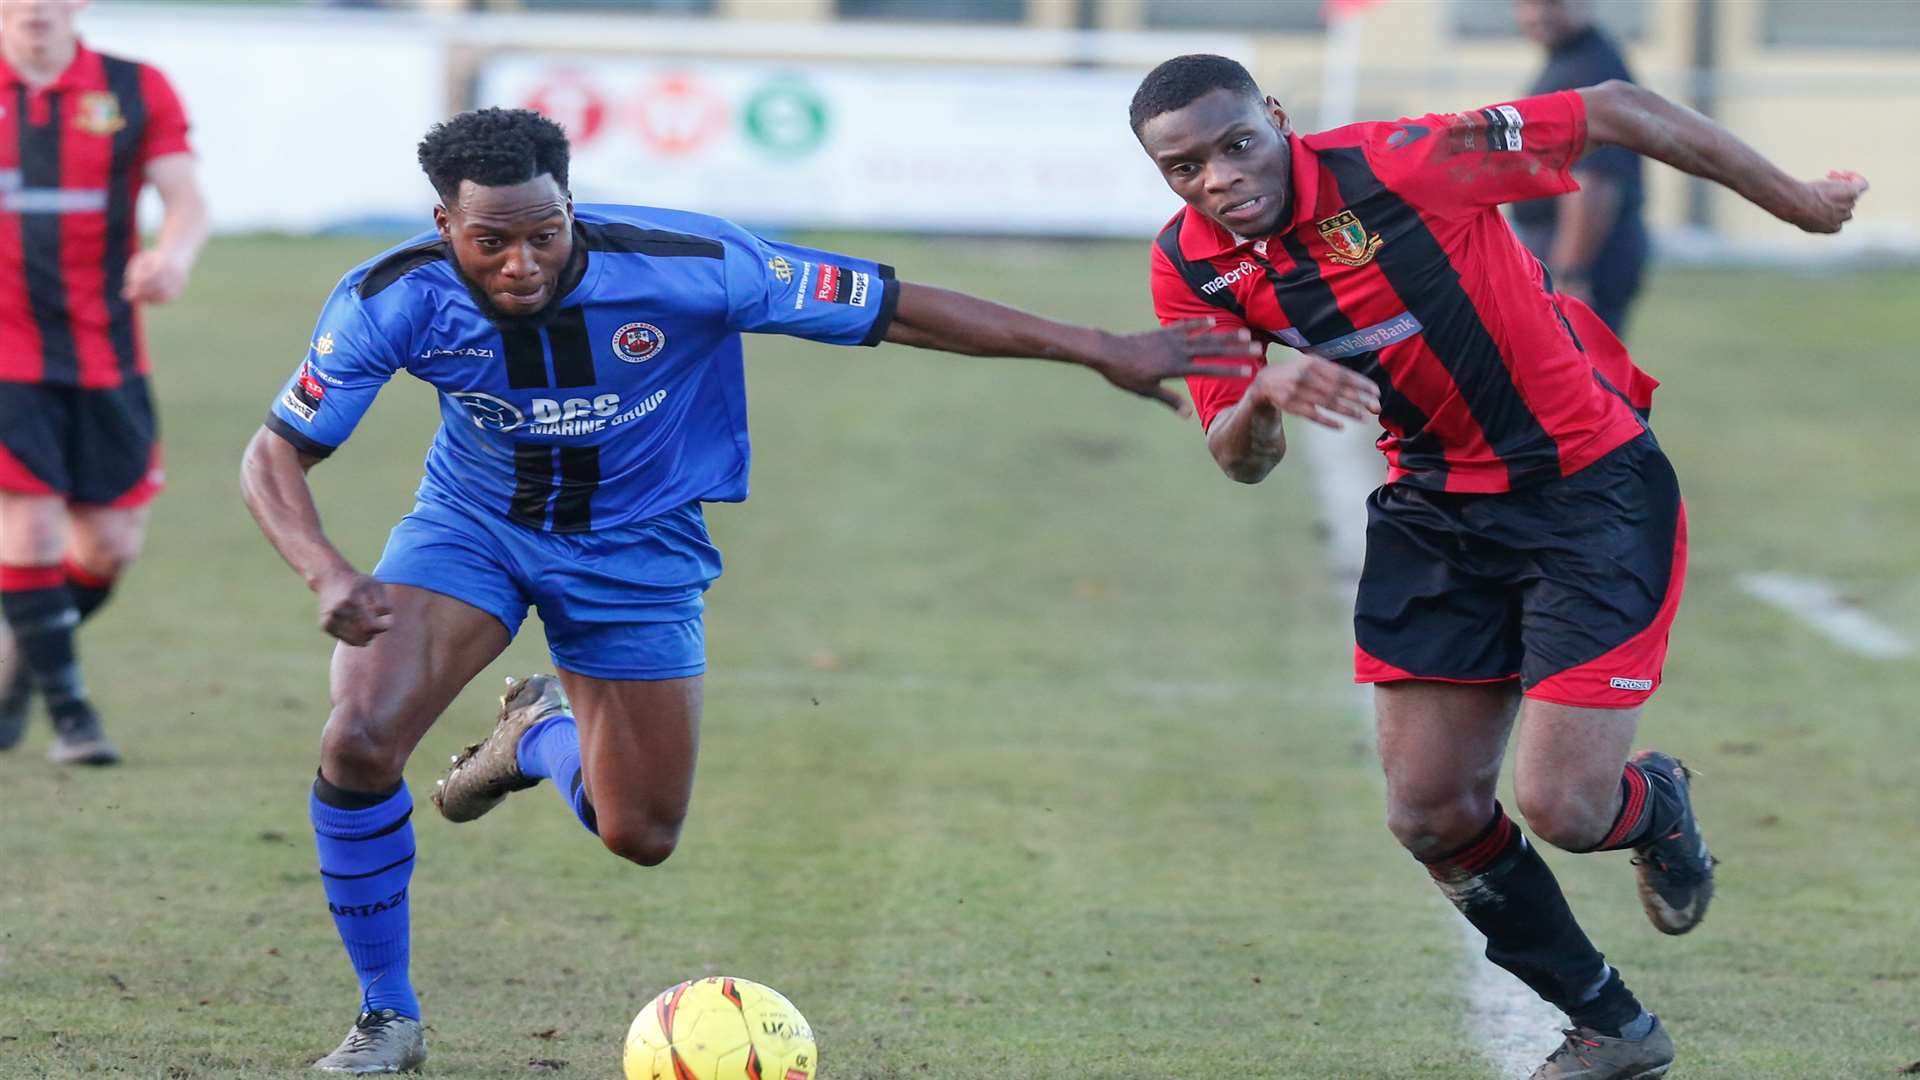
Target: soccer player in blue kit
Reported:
point(588, 361)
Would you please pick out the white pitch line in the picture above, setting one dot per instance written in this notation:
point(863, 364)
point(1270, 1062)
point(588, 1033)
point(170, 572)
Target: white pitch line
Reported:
point(1818, 604)
point(1507, 1020)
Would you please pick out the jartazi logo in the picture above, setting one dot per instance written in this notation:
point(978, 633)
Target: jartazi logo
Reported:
point(1619, 683)
point(1228, 278)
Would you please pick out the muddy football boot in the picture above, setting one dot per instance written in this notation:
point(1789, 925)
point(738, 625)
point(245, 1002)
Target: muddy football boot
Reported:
point(380, 1042)
point(1675, 870)
point(1589, 1055)
point(79, 740)
point(484, 774)
point(16, 693)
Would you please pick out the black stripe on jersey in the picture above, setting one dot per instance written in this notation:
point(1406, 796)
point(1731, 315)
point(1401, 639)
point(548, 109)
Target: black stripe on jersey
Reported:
point(123, 184)
point(572, 351)
point(1426, 281)
point(532, 483)
point(1197, 275)
point(632, 240)
point(526, 358)
point(1309, 304)
point(40, 242)
point(399, 265)
point(298, 438)
point(579, 479)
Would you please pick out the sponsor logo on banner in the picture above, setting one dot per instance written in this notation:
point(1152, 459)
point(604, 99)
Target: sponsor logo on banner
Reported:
point(1245, 268)
point(98, 113)
point(786, 117)
point(638, 342)
point(1348, 238)
point(677, 114)
point(782, 269)
point(489, 413)
point(1619, 683)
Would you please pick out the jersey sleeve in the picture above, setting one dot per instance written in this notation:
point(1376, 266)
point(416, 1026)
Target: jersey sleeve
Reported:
point(348, 361)
point(1174, 301)
point(1455, 164)
point(166, 117)
point(775, 288)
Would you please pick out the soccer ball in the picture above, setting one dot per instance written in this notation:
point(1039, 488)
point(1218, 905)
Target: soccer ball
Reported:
point(720, 1029)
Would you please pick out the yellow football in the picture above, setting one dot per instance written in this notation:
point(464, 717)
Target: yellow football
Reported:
point(720, 1028)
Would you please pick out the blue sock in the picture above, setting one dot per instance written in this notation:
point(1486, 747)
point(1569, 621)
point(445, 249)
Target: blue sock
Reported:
point(366, 861)
point(550, 750)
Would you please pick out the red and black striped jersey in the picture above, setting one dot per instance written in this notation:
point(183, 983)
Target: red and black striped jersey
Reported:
point(1396, 262)
point(73, 157)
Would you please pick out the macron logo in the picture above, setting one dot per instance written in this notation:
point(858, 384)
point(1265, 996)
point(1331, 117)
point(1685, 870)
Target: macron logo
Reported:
point(1227, 278)
point(1619, 683)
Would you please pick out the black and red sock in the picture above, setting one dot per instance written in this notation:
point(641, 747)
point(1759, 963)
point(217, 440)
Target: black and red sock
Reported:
point(1650, 806)
point(1503, 887)
point(90, 590)
point(39, 608)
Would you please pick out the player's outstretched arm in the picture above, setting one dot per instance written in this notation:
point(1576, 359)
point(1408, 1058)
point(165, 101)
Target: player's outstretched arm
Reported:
point(1623, 114)
point(273, 480)
point(1246, 440)
point(934, 318)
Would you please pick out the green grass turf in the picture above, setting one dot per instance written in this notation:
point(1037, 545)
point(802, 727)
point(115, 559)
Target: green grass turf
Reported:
point(1029, 750)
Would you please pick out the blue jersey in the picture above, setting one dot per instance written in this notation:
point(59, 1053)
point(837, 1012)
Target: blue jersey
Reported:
point(628, 402)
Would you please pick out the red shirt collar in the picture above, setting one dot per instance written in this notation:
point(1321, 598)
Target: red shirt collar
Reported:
point(67, 79)
point(1203, 238)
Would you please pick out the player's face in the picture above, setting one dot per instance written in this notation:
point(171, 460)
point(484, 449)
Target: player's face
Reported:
point(1546, 22)
point(512, 243)
point(1228, 157)
point(39, 24)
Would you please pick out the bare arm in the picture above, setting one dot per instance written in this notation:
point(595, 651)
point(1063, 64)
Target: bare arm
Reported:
point(1585, 217)
point(934, 318)
point(273, 481)
point(159, 274)
point(1247, 441)
point(1622, 114)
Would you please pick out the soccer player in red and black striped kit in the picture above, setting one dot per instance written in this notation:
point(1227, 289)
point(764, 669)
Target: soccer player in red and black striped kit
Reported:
point(80, 134)
point(1525, 556)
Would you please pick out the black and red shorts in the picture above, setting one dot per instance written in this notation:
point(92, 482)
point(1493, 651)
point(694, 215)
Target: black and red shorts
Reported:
point(98, 447)
point(1569, 587)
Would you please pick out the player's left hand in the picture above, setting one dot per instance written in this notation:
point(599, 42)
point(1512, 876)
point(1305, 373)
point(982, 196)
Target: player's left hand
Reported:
point(1829, 203)
point(154, 276)
point(1139, 363)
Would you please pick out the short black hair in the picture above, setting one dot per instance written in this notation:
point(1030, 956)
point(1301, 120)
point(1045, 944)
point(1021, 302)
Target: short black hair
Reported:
point(494, 148)
point(1178, 82)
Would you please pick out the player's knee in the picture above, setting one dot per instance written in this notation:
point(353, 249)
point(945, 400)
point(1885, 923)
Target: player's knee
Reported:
point(646, 841)
point(1433, 827)
point(1564, 818)
point(358, 753)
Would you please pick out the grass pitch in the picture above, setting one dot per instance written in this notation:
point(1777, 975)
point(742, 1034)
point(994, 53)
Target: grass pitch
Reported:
point(1029, 748)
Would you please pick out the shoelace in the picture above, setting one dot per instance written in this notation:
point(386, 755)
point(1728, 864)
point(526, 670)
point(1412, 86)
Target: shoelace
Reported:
point(368, 1029)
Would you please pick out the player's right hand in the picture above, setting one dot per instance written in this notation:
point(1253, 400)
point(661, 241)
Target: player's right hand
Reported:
point(353, 607)
point(1829, 203)
point(1311, 387)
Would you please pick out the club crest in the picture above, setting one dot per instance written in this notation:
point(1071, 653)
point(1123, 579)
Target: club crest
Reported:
point(98, 113)
point(638, 342)
point(1349, 240)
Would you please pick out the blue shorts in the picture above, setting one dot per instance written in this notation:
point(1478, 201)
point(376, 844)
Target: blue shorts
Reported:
point(617, 603)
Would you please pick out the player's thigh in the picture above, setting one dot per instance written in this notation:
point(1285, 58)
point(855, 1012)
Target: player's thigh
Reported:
point(33, 529)
point(1441, 745)
point(1566, 769)
point(639, 742)
point(106, 538)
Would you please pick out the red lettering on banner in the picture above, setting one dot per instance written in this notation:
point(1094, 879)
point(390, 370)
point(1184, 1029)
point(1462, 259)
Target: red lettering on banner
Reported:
point(829, 283)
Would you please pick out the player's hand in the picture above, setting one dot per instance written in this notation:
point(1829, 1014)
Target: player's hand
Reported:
point(353, 607)
point(1320, 390)
point(1139, 363)
point(1828, 204)
point(154, 276)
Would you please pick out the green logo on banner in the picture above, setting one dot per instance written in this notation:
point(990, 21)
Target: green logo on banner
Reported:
point(787, 117)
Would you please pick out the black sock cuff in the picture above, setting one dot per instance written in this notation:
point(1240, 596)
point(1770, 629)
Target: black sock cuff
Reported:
point(342, 799)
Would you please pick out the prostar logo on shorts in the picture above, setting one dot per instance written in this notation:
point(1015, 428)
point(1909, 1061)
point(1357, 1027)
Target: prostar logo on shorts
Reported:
point(1619, 683)
point(638, 342)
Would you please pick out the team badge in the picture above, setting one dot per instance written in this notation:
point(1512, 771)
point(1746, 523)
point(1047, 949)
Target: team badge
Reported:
point(1349, 240)
point(638, 342)
point(323, 345)
point(98, 113)
point(782, 269)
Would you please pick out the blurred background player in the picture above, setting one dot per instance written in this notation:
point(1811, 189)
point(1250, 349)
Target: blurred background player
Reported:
point(577, 445)
point(1593, 240)
point(80, 134)
point(1526, 556)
